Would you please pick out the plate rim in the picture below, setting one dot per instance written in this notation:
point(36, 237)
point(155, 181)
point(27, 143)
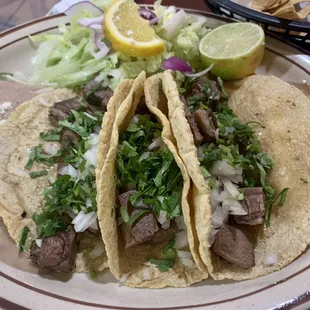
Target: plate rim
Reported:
point(292, 303)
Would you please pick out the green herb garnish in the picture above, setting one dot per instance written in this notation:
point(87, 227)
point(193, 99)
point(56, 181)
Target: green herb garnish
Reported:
point(50, 136)
point(37, 174)
point(161, 264)
point(23, 238)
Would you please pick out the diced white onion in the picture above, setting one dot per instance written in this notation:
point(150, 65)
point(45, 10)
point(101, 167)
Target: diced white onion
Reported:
point(270, 259)
point(235, 178)
point(217, 133)
point(146, 275)
point(233, 206)
point(174, 24)
point(123, 278)
point(97, 251)
point(17, 171)
point(52, 179)
point(200, 151)
point(181, 240)
point(162, 218)
point(215, 194)
point(223, 168)
point(135, 119)
point(187, 262)
point(69, 170)
point(90, 157)
point(140, 204)
point(93, 139)
point(184, 254)
point(213, 235)
point(219, 217)
point(229, 130)
point(180, 222)
point(161, 199)
point(90, 116)
point(224, 195)
point(231, 188)
point(39, 242)
point(155, 144)
point(88, 203)
point(82, 221)
point(51, 148)
point(144, 156)
point(166, 225)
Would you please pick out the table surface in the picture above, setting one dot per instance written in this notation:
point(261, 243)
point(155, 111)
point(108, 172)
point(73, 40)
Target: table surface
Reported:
point(15, 12)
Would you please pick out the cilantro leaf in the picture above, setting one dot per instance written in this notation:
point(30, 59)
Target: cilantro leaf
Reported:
point(37, 174)
point(161, 264)
point(50, 136)
point(23, 238)
point(124, 215)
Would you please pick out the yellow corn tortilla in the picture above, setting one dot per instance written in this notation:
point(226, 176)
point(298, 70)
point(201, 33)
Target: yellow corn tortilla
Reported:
point(283, 112)
point(264, 5)
point(131, 266)
point(18, 192)
point(289, 11)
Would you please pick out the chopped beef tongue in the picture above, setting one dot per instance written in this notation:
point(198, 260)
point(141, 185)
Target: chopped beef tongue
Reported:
point(234, 245)
point(253, 203)
point(164, 235)
point(142, 231)
point(57, 252)
point(124, 198)
point(69, 139)
point(100, 96)
point(198, 137)
point(62, 109)
point(207, 123)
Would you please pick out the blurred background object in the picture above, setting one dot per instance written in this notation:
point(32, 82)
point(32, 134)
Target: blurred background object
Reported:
point(16, 12)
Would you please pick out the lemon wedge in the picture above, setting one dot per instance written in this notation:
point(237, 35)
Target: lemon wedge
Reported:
point(128, 32)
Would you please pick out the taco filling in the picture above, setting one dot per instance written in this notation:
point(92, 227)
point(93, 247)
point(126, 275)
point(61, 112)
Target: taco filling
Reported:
point(70, 201)
point(149, 185)
point(234, 168)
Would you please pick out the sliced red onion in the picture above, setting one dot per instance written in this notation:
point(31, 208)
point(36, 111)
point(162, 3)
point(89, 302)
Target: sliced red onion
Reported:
point(104, 50)
point(270, 259)
point(87, 22)
point(199, 74)
point(219, 217)
point(177, 64)
point(83, 5)
point(148, 15)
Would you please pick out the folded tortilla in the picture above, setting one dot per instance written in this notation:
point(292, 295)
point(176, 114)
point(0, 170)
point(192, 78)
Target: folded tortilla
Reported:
point(20, 194)
point(131, 265)
point(283, 111)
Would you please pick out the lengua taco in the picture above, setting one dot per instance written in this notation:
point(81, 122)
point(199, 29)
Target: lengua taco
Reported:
point(247, 157)
point(47, 176)
point(143, 196)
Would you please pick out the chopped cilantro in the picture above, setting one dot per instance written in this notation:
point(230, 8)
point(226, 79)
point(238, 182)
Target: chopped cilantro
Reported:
point(50, 136)
point(37, 174)
point(23, 238)
point(124, 214)
point(161, 264)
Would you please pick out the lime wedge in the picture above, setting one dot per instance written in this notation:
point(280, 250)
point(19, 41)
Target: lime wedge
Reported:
point(236, 50)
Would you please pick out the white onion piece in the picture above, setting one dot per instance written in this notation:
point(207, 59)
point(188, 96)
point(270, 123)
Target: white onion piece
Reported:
point(161, 199)
point(233, 206)
point(213, 235)
point(123, 278)
point(166, 225)
point(69, 170)
point(230, 187)
point(219, 217)
point(87, 22)
point(162, 218)
point(155, 144)
point(88, 203)
point(146, 275)
point(82, 221)
point(235, 178)
point(17, 171)
point(174, 24)
point(140, 204)
point(90, 157)
point(180, 222)
point(201, 73)
point(187, 262)
point(224, 195)
point(83, 5)
point(52, 179)
point(51, 148)
point(184, 254)
point(91, 116)
point(200, 151)
point(223, 168)
point(135, 119)
point(217, 133)
point(93, 139)
point(144, 156)
point(270, 259)
point(39, 242)
point(229, 130)
point(97, 251)
point(181, 240)
point(77, 218)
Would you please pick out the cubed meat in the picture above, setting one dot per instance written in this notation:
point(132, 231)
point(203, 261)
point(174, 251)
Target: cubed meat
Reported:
point(254, 204)
point(207, 123)
point(164, 235)
point(235, 245)
point(124, 198)
point(69, 139)
point(97, 94)
point(142, 231)
point(57, 252)
point(62, 109)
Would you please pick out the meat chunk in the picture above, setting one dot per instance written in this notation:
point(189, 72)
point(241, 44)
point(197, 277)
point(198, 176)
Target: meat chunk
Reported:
point(141, 232)
point(164, 235)
point(62, 109)
point(207, 123)
point(69, 139)
point(57, 252)
point(97, 95)
point(124, 198)
point(253, 203)
point(235, 245)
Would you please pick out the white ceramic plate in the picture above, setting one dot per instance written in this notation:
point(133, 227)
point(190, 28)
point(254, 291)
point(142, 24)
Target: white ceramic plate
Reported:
point(21, 284)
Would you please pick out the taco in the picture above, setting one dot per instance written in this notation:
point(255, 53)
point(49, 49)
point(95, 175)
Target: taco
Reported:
point(248, 160)
point(47, 176)
point(143, 196)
